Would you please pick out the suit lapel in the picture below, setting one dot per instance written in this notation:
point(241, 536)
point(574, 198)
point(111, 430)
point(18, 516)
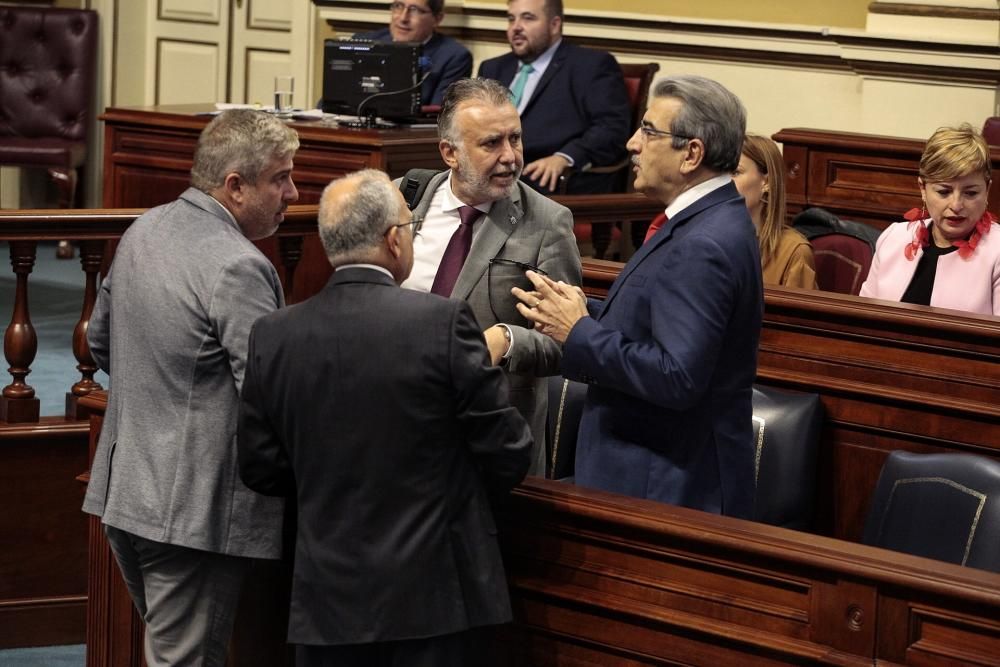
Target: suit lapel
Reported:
point(497, 228)
point(666, 233)
point(558, 58)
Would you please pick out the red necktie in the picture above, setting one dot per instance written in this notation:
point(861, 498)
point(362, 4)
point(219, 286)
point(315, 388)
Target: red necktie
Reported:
point(456, 252)
point(657, 222)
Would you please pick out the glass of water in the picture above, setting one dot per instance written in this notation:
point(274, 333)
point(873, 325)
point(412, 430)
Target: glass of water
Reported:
point(284, 88)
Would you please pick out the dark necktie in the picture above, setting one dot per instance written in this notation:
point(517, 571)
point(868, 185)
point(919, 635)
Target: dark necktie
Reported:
point(456, 252)
point(657, 222)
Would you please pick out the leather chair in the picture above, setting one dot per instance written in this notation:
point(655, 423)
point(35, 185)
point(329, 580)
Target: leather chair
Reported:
point(842, 249)
point(941, 506)
point(47, 68)
point(786, 428)
point(991, 130)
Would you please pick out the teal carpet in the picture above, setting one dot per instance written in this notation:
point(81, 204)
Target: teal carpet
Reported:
point(48, 656)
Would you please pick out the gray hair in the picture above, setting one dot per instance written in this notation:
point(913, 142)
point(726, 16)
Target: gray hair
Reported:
point(242, 141)
point(483, 90)
point(351, 227)
point(709, 112)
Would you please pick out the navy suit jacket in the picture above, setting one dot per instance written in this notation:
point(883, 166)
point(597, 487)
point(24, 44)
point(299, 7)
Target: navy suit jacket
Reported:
point(449, 61)
point(579, 108)
point(670, 357)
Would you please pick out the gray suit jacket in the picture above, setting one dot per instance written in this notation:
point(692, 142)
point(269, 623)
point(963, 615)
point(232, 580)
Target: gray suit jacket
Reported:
point(170, 327)
point(530, 228)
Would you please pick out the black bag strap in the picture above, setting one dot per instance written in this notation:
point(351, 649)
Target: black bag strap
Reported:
point(414, 183)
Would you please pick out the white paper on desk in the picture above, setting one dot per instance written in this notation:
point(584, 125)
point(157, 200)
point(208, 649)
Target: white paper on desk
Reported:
point(303, 114)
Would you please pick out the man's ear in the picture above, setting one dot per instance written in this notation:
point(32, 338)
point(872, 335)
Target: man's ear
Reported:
point(448, 153)
point(694, 155)
point(233, 186)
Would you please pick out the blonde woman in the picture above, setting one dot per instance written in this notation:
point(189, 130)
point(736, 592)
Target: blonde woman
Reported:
point(947, 253)
point(785, 255)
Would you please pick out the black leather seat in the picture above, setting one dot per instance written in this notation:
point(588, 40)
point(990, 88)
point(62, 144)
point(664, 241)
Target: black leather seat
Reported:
point(786, 428)
point(941, 506)
point(48, 61)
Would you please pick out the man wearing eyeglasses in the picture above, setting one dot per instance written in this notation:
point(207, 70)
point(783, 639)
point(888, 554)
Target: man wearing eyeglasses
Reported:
point(379, 409)
point(506, 227)
point(670, 355)
point(416, 21)
point(572, 101)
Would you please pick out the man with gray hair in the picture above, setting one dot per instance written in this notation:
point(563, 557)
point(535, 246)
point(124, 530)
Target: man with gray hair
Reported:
point(670, 355)
point(482, 227)
point(378, 408)
point(170, 327)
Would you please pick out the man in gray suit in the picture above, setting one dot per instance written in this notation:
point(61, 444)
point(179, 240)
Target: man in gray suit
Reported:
point(513, 228)
point(170, 327)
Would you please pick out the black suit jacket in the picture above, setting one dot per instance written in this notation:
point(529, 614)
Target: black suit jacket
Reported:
point(378, 408)
point(580, 107)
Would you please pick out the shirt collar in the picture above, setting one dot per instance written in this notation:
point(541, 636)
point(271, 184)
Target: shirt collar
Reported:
point(374, 267)
point(692, 195)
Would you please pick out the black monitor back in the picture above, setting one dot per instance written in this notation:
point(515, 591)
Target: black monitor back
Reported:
point(371, 78)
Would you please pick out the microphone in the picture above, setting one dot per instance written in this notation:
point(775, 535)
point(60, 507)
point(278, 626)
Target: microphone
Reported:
point(368, 99)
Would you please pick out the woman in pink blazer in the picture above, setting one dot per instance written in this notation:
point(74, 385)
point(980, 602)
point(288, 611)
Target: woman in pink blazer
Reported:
point(947, 253)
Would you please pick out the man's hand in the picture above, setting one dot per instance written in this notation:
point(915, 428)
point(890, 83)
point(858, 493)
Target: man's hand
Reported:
point(496, 342)
point(554, 307)
point(546, 172)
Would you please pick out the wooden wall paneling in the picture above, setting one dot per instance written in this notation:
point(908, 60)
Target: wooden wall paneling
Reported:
point(43, 534)
point(176, 59)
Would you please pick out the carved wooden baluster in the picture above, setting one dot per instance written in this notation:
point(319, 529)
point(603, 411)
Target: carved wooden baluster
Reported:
point(18, 403)
point(600, 238)
point(290, 248)
point(91, 255)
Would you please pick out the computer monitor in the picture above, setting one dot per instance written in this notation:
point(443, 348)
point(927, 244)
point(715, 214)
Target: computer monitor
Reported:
point(371, 78)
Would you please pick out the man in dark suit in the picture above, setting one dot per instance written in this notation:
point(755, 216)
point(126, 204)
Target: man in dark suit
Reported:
point(416, 21)
point(512, 227)
point(671, 354)
point(379, 409)
point(572, 101)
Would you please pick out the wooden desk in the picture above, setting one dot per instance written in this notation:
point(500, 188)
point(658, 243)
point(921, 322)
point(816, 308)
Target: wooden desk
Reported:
point(148, 153)
point(862, 177)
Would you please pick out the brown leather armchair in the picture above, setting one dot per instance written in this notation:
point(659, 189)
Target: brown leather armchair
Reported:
point(48, 60)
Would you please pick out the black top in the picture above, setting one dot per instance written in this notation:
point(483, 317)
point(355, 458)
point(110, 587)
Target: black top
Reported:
point(920, 288)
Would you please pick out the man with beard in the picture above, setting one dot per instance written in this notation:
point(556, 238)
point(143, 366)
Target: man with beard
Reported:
point(170, 327)
point(573, 104)
point(416, 21)
point(481, 228)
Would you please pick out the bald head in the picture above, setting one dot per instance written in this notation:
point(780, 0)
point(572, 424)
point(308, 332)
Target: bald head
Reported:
point(359, 223)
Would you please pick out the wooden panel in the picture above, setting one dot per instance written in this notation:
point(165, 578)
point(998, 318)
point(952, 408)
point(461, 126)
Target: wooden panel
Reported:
point(261, 67)
point(175, 59)
point(866, 178)
point(269, 15)
point(600, 579)
point(198, 11)
point(43, 568)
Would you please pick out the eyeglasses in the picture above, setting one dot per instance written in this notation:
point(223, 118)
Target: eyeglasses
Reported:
point(523, 266)
point(403, 8)
point(413, 230)
point(648, 132)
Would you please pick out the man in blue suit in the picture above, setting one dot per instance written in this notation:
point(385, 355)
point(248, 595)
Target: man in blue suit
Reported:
point(572, 101)
point(671, 354)
point(416, 21)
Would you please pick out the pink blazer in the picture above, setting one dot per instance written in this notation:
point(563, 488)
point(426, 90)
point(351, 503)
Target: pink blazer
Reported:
point(971, 284)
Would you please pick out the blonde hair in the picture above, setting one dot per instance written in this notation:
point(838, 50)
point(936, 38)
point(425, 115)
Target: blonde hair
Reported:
point(765, 154)
point(955, 152)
